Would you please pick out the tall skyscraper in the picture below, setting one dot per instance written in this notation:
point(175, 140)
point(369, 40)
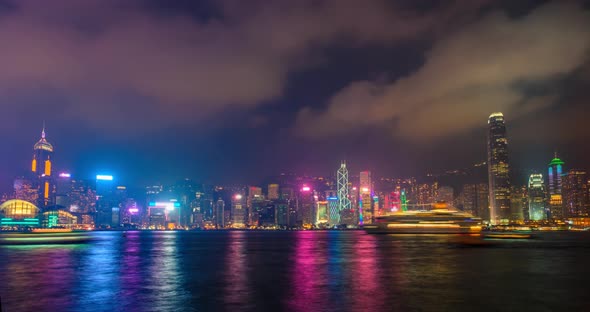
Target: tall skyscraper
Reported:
point(498, 169)
point(555, 191)
point(238, 211)
point(342, 195)
point(537, 197)
point(219, 217)
point(41, 169)
point(105, 201)
point(306, 207)
point(575, 194)
point(273, 191)
point(366, 198)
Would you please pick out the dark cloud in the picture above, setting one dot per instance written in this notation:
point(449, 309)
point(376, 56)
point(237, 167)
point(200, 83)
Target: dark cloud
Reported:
point(495, 64)
point(121, 61)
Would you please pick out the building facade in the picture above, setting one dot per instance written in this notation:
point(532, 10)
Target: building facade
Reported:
point(498, 169)
point(537, 198)
point(554, 182)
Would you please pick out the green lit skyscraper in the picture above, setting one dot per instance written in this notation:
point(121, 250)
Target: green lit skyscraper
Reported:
point(555, 191)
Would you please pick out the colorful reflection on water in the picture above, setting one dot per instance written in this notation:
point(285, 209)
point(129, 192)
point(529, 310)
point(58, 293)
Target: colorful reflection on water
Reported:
point(293, 271)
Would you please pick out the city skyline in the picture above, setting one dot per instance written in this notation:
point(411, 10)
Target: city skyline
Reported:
point(194, 130)
point(294, 155)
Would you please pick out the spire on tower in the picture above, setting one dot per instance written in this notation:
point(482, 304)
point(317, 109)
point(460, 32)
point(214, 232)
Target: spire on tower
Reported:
point(43, 131)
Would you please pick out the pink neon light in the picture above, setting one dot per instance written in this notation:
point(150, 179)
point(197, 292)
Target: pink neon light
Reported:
point(306, 189)
point(238, 196)
point(133, 210)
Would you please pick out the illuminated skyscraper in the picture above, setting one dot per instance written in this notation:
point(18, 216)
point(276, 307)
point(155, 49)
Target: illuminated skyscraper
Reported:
point(105, 201)
point(474, 198)
point(219, 214)
point(518, 202)
point(322, 212)
point(41, 169)
point(254, 199)
point(342, 196)
point(238, 211)
point(498, 169)
point(555, 192)
point(575, 194)
point(366, 198)
point(306, 207)
point(273, 191)
point(537, 198)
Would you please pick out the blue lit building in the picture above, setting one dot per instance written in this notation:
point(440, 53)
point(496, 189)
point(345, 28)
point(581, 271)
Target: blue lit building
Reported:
point(105, 201)
point(333, 208)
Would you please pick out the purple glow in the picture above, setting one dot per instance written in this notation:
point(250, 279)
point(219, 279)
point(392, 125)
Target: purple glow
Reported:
point(65, 175)
point(306, 189)
point(133, 210)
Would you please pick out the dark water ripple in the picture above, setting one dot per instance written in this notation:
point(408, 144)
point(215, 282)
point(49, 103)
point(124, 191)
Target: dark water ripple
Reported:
point(296, 271)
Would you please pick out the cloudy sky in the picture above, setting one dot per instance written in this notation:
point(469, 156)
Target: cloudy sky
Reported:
point(235, 90)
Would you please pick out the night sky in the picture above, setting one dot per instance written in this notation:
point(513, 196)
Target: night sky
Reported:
point(235, 91)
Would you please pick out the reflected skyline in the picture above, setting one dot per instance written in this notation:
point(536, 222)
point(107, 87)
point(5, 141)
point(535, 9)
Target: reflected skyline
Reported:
point(295, 271)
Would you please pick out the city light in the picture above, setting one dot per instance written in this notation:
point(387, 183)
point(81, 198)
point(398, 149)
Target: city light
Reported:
point(65, 175)
point(306, 189)
point(103, 177)
point(238, 196)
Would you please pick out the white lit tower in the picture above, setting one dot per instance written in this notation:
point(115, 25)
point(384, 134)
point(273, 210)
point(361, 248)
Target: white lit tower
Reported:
point(498, 169)
point(343, 196)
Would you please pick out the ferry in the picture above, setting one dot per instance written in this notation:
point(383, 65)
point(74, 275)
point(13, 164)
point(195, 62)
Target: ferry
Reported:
point(437, 221)
point(44, 236)
point(508, 232)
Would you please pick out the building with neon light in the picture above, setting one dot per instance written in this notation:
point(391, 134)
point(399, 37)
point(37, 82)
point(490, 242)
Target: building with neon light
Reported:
point(105, 201)
point(306, 207)
point(537, 198)
point(554, 182)
point(498, 169)
point(18, 213)
point(164, 214)
point(41, 170)
point(322, 212)
point(333, 207)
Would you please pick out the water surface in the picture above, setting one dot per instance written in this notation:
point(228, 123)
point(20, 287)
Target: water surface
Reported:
point(296, 271)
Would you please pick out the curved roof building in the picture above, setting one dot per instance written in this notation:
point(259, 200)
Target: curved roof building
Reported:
point(17, 212)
